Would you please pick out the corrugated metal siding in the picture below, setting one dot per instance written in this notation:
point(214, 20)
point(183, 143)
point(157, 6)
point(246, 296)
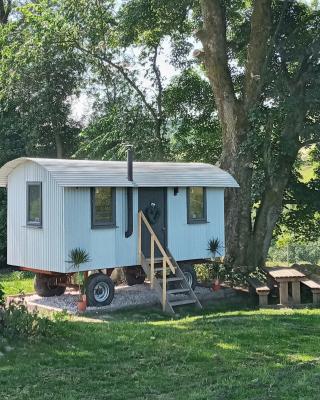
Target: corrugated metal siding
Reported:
point(190, 241)
point(67, 224)
point(40, 248)
point(107, 247)
point(84, 173)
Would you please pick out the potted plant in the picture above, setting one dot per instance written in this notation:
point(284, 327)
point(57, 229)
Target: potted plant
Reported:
point(77, 257)
point(217, 269)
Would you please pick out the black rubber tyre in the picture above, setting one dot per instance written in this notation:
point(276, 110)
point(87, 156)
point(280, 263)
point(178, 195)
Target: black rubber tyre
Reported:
point(190, 274)
point(134, 275)
point(45, 287)
point(99, 290)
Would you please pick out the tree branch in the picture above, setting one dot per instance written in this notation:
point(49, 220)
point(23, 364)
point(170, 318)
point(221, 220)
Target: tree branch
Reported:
point(213, 38)
point(5, 11)
point(257, 50)
point(156, 71)
point(125, 75)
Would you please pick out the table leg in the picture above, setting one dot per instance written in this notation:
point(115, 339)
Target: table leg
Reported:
point(296, 295)
point(283, 289)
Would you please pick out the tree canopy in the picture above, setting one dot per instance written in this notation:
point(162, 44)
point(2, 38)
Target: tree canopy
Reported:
point(196, 80)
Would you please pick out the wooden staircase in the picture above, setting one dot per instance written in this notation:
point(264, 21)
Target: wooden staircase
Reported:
point(164, 273)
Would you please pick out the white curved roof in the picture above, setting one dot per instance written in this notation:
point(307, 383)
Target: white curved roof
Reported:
point(87, 173)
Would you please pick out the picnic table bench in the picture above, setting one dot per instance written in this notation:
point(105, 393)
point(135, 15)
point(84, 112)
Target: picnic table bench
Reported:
point(315, 289)
point(262, 290)
point(282, 277)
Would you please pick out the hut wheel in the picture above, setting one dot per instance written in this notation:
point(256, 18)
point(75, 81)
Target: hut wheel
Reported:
point(99, 290)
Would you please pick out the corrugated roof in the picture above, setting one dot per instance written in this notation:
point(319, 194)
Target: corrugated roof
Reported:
point(87, 173)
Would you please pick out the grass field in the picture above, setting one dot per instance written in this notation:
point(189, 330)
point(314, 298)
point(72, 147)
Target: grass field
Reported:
point(231, 352)
point(237, 355)
point(16, 282)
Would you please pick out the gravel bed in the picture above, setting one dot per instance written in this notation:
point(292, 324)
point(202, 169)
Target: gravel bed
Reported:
point(125, 296)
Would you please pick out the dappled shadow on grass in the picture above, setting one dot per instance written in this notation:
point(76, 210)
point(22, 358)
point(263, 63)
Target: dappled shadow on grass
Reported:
point(241, 302)
point(225, 354)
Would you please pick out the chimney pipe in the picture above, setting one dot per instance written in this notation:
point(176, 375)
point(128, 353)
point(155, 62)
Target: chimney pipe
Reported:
point(130, 162)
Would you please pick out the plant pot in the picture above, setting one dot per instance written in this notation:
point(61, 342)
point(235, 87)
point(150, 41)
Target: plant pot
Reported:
point(82, 304)
point(216, 286)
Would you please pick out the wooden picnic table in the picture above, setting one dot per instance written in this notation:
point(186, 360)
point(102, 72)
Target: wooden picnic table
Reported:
point(283, 276)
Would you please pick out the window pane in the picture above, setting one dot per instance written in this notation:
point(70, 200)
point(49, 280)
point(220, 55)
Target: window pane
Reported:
point(103, 206)
point(196, 203)
point(34, 204)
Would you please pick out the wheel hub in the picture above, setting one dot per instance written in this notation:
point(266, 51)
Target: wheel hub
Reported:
point(101, 292)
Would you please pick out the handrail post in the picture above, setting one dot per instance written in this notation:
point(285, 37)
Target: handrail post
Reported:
point(164, 284)
point(139, 238)
point(152, 262)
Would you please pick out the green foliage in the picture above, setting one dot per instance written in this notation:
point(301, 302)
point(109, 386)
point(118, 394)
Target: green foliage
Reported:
point(194, 127)
point(17, 282)
point(292, 251)
point(78, 256)
point(16, 321)
point(118, 120)
point(214, 247)
point(2, 298)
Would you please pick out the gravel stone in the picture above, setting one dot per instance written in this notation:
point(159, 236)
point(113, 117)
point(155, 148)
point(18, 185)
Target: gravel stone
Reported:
point(125, 296)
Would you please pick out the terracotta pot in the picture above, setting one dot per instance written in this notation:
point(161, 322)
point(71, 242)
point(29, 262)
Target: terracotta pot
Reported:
point(82, 305)
point(216, 285)
point(84, 298)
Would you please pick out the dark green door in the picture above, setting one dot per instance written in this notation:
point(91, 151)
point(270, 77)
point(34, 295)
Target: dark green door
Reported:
point(153, 201)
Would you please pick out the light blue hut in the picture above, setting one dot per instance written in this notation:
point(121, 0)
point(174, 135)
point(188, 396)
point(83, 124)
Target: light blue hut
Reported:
point(137, 215)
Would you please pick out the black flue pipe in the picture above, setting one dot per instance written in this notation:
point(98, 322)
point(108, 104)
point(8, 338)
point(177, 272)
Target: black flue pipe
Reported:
point(130, 163)
point(129, 230)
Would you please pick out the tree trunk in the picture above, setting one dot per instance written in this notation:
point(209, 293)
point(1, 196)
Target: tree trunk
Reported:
point(238, 203)
point(59, 145)
point(277, 181)
point(233, 113)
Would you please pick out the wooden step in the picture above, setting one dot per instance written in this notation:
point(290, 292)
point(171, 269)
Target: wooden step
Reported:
point(160, 269)
point(178, 291)
point(157, 260)
point(173, 279)
point(181, 302)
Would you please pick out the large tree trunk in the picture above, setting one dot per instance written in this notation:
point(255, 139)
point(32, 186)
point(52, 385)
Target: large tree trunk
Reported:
point(233, 113)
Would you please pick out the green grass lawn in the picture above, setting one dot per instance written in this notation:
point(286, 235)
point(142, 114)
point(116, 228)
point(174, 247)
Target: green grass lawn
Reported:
point(16, 282)
point(230, 352)
point(240, 354)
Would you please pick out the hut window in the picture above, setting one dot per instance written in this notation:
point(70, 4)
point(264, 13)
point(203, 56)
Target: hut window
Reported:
point(34, 204)
point(103, 207)
point(196, 205)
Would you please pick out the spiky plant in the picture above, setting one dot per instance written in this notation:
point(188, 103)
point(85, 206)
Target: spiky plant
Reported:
point(78, 256)
point(214, 246)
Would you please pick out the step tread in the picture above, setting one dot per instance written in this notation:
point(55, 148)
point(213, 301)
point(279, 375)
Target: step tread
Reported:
point(156, 259)
point(174, 291)
point(181, 302)
point(173, 279)
point(159, 269)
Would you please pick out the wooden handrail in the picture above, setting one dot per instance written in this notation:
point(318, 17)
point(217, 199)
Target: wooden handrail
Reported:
point(154, 239)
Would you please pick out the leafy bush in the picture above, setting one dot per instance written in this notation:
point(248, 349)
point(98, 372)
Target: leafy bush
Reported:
point(233, 276)
point(2, 299)
point(289, 250)
point(20, 275)
point(17, 321)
